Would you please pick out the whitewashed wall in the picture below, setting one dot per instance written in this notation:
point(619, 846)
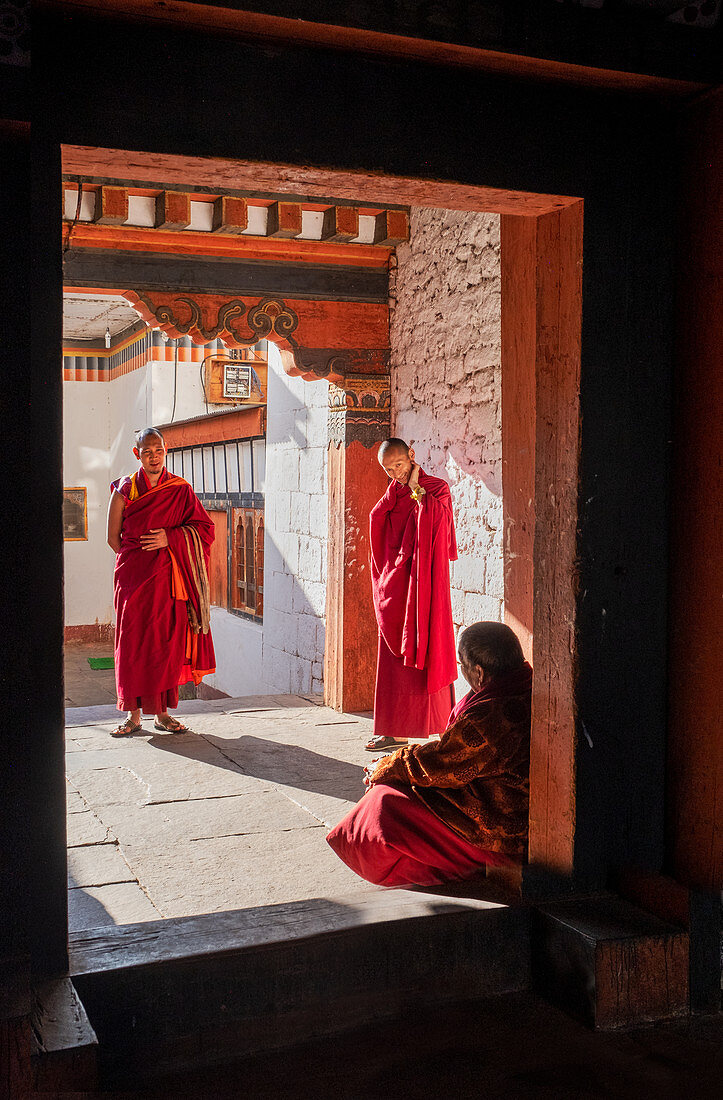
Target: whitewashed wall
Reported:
point(99, 421)
point(238, 645)
point(296, 531)
point(446, 352)
point(187, 386)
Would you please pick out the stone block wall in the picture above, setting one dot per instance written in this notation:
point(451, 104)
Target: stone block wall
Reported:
point(296, 532)
point(445, 295)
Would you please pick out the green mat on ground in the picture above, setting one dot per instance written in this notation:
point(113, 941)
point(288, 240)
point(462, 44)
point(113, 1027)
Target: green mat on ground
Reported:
point(100, 662)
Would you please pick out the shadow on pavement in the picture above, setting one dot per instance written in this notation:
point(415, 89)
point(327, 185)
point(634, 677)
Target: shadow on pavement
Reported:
point(290, 765)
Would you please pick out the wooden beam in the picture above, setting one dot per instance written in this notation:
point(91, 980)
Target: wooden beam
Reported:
point(266, 29)
point(229, 243)
point(287, 221)
point(111, 206)
point(217, 174)
point(146, 271)
point(346, 223)
point(173, 210)
point(232, 213)
point(392, 228)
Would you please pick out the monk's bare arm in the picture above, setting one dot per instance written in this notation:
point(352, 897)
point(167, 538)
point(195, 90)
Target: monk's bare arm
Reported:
point(116, 507)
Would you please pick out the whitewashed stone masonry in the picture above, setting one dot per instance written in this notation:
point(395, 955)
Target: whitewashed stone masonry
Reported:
point(445, 296)
point(296, 532)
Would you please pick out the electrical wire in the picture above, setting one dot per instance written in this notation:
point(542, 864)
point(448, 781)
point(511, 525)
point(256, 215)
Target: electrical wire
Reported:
point(74, 222)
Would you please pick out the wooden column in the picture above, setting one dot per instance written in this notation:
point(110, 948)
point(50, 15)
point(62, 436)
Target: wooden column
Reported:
point(695, 758)
point(541, 324)
point(359, 411)
point(519, 354)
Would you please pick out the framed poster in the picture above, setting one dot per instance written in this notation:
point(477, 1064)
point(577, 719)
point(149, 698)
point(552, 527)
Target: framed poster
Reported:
point(75, 514)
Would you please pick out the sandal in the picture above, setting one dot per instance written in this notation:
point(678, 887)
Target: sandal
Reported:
point(174, 726)
point(126, 729)
point(380, 742)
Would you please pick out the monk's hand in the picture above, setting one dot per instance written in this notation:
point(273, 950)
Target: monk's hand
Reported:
point(155, 539)
point(414, 487)
point(368, 773)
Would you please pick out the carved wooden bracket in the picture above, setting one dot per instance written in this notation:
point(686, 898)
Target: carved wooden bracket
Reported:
point(360, 411)
point(318, 339)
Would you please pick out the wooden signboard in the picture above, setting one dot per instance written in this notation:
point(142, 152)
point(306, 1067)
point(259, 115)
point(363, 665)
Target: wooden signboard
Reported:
point(218, 380)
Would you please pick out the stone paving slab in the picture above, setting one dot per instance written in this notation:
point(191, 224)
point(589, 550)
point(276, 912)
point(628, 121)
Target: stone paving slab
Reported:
point(97, 865)
point(176, 824)
point(87, 828)
point(104, 906)
point(174, 773)
point(74, 803)
point(242, 871)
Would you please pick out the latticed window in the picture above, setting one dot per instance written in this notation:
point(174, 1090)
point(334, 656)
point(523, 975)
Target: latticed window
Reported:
point(247, 586)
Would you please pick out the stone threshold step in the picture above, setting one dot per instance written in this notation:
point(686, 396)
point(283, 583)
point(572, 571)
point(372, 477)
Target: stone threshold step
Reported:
point(204, 989)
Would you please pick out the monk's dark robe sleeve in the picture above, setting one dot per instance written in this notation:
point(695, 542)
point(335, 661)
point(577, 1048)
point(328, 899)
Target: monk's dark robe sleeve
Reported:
point(461, 755)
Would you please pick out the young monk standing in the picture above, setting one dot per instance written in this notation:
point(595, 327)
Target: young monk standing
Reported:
point(162, 536)
point(412, 544)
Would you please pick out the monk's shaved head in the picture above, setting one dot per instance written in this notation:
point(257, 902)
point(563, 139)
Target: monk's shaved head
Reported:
point(390, 446)
point(144, 433)
point(492, 646)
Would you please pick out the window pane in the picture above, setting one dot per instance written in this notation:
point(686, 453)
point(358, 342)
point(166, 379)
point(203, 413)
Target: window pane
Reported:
point(259, 446)
point(219, 454)
point(208, 474)
point(240, 561)
point(232, 468)
point(197, 470)
point(250, 571)
point(169, 462)
point(245, 461)
point(188, 466)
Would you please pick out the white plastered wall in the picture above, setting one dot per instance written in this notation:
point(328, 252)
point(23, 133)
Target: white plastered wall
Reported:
point(99, 419)
point(446, 378)
point(181, 380)
point(296, 531)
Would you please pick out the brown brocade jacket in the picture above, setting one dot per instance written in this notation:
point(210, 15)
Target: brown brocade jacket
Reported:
point(476, 777)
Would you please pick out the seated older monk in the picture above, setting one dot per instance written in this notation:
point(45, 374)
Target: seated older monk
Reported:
point(439, 811)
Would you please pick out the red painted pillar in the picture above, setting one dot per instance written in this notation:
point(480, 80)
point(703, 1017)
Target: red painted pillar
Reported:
point(541, 324)
point(359, 411)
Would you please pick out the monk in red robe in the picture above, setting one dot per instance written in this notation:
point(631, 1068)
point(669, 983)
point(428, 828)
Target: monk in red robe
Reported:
point(162, 536)
point(439, 811)
point(412, 543)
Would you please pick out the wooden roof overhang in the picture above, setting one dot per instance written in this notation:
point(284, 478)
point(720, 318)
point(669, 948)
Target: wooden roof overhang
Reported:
point(322, 299)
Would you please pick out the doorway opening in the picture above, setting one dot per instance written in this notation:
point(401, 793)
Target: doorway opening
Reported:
point(313, 542)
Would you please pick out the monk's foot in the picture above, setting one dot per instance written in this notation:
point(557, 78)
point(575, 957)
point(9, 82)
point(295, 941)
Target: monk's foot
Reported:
point(167, 724)
point(379, 742)
point(127, 728)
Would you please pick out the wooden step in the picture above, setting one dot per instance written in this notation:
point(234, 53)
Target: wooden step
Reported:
point(610, 963)
point(64, 1045)
point(206, 989)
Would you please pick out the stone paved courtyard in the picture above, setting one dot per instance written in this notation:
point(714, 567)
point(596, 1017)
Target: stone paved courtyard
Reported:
point(229, 815)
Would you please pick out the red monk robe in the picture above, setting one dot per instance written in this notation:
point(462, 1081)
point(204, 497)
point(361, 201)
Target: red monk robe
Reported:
point(438, 812)
point(161, 597)
point(411, 548)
